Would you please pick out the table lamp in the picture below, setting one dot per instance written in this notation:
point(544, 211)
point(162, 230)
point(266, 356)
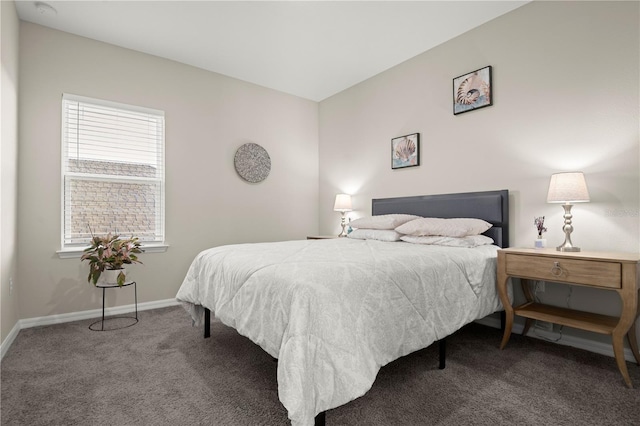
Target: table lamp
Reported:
point(567, 188)
point(342, 205)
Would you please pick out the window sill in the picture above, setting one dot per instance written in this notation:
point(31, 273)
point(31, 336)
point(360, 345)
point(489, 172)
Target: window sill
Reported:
point(76, 253)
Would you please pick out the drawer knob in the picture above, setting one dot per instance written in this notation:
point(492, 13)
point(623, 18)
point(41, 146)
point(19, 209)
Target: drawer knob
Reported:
point(556, 271)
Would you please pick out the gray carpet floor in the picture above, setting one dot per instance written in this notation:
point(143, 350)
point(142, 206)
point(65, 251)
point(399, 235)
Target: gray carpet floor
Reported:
point(161, 371)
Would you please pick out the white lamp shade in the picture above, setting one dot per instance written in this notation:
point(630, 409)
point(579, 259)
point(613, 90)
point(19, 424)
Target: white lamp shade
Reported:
point(568, 187)
point(343, 203)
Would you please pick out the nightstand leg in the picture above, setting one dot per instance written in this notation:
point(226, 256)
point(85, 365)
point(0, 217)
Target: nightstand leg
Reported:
point(507, 329)
point(633, 342)
point(629, 297)
point(502, 279)
point(618, 351)
point(631, 334)
point(528, 294)
point(527, 326)
point(526, 289)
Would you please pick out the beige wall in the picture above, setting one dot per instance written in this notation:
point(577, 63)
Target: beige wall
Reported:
point(208, 116)
point(566, 97)
point(9, 158)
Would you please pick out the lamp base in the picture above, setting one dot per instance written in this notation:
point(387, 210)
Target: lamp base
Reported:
point(562, 248)
point(343, 223)
point(567, 246)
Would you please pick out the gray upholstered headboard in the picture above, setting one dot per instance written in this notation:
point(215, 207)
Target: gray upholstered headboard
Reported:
point(492, 206)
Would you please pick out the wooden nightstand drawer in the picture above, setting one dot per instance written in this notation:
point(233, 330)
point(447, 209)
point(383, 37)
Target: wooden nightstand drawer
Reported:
point(600, 274)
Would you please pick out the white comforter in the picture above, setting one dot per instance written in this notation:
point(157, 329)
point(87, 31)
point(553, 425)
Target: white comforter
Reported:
point(334, 311)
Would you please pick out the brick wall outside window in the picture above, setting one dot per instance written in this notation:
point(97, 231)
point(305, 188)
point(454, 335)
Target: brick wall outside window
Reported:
point(108, 206)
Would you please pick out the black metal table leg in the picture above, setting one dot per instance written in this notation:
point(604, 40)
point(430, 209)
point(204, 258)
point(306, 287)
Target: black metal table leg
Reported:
point(135, 294)
point(102, 324)
point(207, 323)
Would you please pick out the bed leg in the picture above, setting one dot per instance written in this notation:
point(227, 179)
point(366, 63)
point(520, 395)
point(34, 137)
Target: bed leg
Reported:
point(207, 323)
point(320, 418)
point(442, 345)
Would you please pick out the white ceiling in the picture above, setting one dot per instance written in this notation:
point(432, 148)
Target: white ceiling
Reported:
point(308, 49)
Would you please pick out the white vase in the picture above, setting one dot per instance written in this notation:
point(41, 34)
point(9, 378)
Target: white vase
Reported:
point(111, 275)
point(540, 243)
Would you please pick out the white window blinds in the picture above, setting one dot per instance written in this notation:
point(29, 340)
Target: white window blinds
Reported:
point(112, 171)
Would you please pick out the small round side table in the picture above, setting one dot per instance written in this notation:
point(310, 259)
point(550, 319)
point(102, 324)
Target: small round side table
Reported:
point(104, 287)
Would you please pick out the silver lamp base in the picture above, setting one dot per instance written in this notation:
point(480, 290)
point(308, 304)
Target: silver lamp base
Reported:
point(343, 223)
point(568, 229)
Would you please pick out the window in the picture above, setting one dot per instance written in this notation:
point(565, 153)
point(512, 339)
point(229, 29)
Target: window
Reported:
point(112, 171)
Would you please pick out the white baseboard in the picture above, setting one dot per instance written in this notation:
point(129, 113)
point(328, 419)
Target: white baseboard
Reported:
point(4, 346)
point(566, 340)
point(94, 313)
point(77, 316)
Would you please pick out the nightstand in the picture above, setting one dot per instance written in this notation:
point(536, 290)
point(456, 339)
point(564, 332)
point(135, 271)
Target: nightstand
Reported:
point(321, 237)
point(603, 270)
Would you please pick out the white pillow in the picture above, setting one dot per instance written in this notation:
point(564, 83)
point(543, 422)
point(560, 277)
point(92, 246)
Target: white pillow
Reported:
point(383, 221)
point(375, 234)
point(456, 227)
point(470, 241)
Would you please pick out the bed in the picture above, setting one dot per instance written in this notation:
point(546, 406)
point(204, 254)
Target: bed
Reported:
point(334, 311)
